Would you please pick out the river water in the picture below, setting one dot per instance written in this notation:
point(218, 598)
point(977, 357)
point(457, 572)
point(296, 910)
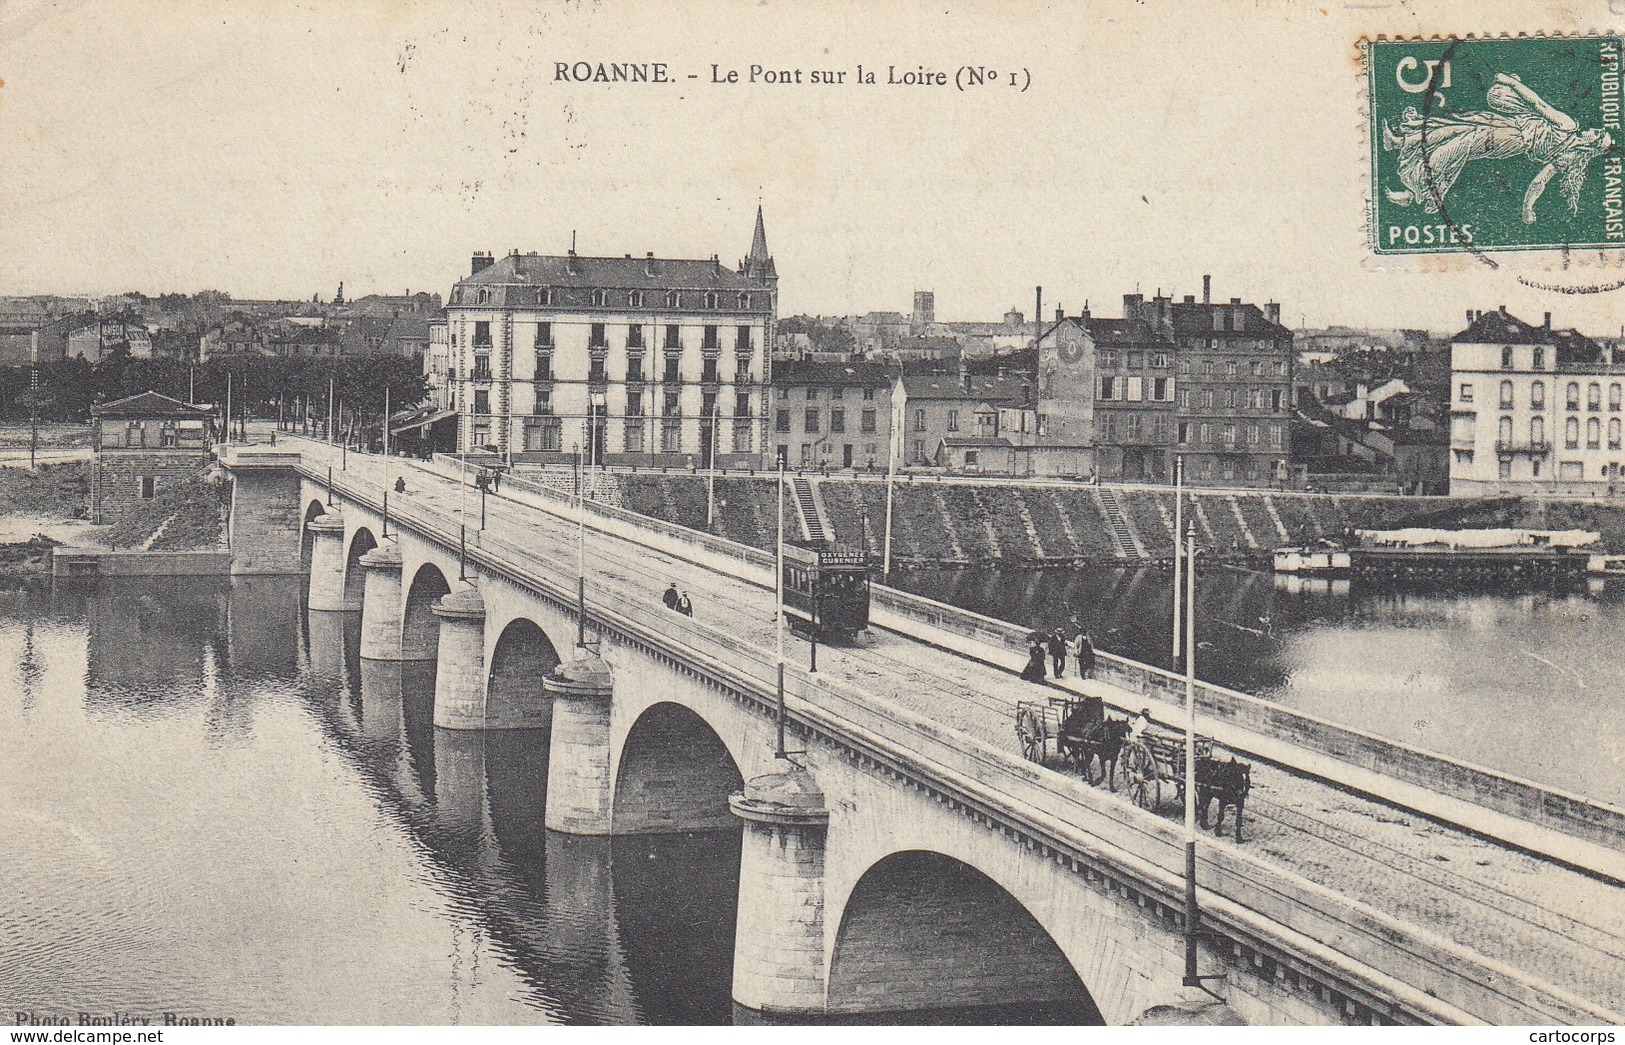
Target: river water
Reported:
point(1530, 682)
point(212, 807)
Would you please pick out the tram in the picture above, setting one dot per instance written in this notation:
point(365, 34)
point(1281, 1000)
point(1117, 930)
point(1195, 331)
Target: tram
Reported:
point(826, 591)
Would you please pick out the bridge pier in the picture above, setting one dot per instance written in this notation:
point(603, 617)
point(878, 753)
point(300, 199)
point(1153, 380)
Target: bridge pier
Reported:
point(779, 936)
point(327, 562)
point(459, 678)
point(578, 765)
point(265, 512)
point(381, 603)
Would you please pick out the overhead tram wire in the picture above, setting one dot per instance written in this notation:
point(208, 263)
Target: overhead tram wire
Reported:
point(1287, 819)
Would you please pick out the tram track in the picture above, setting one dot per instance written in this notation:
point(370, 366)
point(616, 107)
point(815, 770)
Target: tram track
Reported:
point(1475, 910)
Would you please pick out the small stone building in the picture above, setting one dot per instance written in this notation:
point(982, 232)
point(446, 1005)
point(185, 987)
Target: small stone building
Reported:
point(143, 444)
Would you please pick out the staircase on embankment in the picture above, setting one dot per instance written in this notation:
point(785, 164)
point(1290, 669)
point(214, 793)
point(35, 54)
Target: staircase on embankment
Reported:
point(809, 511)
point(1127, 543)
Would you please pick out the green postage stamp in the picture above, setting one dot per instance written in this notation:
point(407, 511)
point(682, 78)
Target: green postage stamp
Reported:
point(1495, 144)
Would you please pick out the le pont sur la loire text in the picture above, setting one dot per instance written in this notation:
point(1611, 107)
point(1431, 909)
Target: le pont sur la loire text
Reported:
point(964, 77)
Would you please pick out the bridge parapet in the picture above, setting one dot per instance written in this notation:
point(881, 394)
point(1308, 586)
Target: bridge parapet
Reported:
point(1266, 918)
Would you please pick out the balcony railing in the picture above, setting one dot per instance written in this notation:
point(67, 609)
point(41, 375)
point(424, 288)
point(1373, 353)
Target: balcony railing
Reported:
point(1515, 447)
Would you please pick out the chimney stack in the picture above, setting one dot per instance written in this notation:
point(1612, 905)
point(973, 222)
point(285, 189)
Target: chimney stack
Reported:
point(649, 263)
point(1546, 324)
point(1470, 317)
point(1503, 309)
point(1060, 314)
point(1207, 290)
point(1272, 312)
point(482, 261)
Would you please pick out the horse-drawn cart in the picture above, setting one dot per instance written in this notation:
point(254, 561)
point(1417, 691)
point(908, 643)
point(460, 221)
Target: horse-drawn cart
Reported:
point(1155, 756)
point(1077, 732)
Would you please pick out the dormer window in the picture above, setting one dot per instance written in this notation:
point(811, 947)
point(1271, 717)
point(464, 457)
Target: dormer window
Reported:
point(599, 298)
point(673, 299)
point(483, 297)
point(744, 301)
point(635, 299)
point(544, 295)
point(710, 299)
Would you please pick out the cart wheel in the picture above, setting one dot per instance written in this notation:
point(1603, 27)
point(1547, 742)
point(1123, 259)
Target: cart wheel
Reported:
point(1140, 773)
point(1032, 739)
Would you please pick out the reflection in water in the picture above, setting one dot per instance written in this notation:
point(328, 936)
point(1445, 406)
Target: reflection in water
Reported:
point(211, 802)
point(1518, 681)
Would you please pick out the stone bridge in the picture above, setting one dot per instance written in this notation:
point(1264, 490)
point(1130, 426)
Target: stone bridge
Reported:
point(889, 863)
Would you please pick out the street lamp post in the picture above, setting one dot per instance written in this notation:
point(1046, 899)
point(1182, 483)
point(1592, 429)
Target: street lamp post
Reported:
point(711, 472)
point(778, 611)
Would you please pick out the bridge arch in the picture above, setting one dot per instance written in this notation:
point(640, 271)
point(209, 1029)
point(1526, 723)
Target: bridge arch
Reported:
point(522, 657)
point(675, 775)
point(355, 578)
point(924, 931)
point(420, 628)
point(307, 539)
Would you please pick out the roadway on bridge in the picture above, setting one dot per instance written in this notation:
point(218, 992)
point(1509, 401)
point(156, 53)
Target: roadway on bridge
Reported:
point(1563, 927)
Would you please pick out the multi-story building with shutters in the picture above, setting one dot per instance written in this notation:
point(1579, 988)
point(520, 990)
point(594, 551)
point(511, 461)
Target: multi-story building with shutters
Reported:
point(1234, 397)
point(631, 360)
point(1533, 409)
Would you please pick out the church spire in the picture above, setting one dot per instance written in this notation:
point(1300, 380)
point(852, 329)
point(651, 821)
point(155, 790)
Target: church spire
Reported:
point(759, 262)
point(758, 242)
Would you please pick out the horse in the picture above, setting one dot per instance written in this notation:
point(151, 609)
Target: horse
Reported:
point(1086, 741)
point(1226, 783)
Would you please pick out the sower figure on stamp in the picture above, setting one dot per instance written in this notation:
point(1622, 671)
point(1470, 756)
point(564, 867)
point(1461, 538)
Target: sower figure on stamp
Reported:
point(1436, 148)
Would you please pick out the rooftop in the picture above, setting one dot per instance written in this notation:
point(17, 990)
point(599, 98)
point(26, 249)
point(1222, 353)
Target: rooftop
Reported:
point(628, 273)
point(147, 404)
point(861, 372)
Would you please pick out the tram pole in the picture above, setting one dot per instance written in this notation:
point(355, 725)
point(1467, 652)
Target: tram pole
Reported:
point(462, 517)
point(711, 474)
point(1192, 914)
point(778, 617)
point(581, 555)
point(1179, 530)
point(891, 475)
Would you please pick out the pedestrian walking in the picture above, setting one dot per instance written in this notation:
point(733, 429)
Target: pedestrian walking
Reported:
point(496, 481)
point(671, 597)
point(1034, 671)
point(1057, 652)
point(1086, 656)
point(685, 607)
point(400, 485)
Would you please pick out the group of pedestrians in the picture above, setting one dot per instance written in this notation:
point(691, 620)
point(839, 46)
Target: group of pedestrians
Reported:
point(1068, 642)
point(678, 601)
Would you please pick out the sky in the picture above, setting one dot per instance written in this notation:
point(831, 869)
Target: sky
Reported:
point(272, 149)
